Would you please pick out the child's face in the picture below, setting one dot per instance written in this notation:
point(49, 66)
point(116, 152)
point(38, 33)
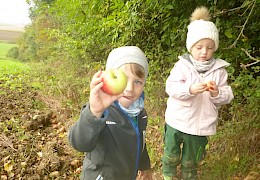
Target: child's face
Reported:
point(134, 88)
point(203, 50)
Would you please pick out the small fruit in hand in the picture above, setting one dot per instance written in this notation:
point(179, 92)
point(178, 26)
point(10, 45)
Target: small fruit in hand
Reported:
point(209, 86)
point(114, 80)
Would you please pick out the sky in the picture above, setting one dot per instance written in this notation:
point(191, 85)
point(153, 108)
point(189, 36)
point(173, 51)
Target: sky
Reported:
point(14, 12)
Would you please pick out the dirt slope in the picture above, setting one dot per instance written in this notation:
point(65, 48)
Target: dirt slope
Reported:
point(33, 138)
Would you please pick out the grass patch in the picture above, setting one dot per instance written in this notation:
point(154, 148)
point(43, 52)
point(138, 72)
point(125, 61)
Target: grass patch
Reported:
point(12, 68)
point(4, 47)
point(11, 71)
point(234, 151)
point(65, 82)
point(13, 74)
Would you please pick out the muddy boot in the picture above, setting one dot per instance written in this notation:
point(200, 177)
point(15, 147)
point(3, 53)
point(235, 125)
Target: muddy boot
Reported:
point(189, 173)
point(169, 177)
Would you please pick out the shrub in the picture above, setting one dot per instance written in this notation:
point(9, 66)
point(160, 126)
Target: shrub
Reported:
point(13, 53)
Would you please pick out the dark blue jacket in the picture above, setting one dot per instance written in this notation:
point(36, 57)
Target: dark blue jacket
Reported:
point(115, 146)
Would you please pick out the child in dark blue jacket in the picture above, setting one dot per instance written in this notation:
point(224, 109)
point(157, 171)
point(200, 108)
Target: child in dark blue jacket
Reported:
point(111, 128)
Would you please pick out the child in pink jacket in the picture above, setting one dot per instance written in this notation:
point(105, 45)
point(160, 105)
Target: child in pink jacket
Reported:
point(197, 87)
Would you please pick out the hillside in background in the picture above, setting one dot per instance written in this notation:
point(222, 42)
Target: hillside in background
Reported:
point(10, 33)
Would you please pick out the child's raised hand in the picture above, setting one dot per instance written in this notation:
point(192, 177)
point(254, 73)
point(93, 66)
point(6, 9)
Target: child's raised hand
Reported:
point(99, 100)
point(198, 88)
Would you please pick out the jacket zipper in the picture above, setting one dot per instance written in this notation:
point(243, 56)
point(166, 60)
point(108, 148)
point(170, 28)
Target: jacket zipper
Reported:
point(138, 138)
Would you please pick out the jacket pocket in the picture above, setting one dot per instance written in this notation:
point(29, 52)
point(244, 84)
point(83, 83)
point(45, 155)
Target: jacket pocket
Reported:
point(183, 103)
point(178, 110)
point(88, 164)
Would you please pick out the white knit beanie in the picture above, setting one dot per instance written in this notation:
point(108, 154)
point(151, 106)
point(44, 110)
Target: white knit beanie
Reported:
point(201, 28)
point(127, 54)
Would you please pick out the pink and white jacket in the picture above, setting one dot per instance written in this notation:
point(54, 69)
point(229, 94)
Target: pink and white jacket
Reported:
point(195, 114)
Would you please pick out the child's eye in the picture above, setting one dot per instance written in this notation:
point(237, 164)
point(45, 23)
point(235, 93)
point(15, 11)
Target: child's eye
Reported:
point(138, 82)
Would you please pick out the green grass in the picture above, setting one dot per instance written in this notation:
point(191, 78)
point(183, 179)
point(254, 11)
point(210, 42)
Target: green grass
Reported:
point(4, 47)
point(10, 67)
point(11, 72)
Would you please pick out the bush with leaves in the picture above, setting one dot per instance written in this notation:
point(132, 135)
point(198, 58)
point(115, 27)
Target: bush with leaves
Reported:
point(13, 53)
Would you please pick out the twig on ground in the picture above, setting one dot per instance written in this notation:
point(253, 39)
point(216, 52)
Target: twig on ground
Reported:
point(6, 142)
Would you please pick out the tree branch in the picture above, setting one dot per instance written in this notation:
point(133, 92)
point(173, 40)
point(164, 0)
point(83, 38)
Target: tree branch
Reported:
point(224, 11)
point(251, 57)
point(243, 27)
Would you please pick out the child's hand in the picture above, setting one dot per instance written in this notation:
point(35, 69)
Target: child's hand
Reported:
point(212, 88)
point(99, 100)
point(198, 88)
point(144, 175)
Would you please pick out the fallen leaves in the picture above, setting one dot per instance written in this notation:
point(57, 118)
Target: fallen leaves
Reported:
point(8, 166)
point(31, 147)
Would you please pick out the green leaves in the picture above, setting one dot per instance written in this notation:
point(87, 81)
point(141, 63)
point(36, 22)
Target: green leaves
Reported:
point(10, 75)
point(228, 33)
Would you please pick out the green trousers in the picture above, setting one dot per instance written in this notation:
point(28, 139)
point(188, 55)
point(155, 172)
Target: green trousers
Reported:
point(185, 149)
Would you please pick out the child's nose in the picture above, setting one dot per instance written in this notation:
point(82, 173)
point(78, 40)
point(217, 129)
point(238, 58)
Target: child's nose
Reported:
point(129, 86)
point(204, 50)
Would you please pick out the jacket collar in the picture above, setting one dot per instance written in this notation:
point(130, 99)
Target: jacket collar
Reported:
point(220, 63)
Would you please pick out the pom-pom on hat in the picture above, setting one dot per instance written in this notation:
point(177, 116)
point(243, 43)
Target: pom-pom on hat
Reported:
point(200, 28)
point(127, 54)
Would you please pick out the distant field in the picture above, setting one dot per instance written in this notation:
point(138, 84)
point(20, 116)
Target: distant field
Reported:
point(19, 28)
point(4, 47)
point(10, 33)
point(9, 36)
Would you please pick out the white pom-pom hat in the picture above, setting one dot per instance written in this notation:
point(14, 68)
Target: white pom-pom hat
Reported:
point(127, 54)
point(201, 29)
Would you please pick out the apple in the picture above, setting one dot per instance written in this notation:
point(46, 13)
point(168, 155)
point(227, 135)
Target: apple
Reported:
point(209, 85)
point(114, 81)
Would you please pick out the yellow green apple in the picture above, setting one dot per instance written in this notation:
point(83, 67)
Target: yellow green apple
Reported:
point(114, 81)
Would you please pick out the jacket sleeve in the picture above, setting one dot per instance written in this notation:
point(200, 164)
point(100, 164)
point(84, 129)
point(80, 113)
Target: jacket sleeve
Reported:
point(84, 134)
point(225, 92)
point(144, 163)
point(176, 85)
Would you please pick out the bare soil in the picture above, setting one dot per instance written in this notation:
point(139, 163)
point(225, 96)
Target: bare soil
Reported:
point(33, 137)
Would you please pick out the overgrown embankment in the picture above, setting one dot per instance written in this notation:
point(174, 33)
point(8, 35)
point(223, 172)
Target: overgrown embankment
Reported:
point(33, 129)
